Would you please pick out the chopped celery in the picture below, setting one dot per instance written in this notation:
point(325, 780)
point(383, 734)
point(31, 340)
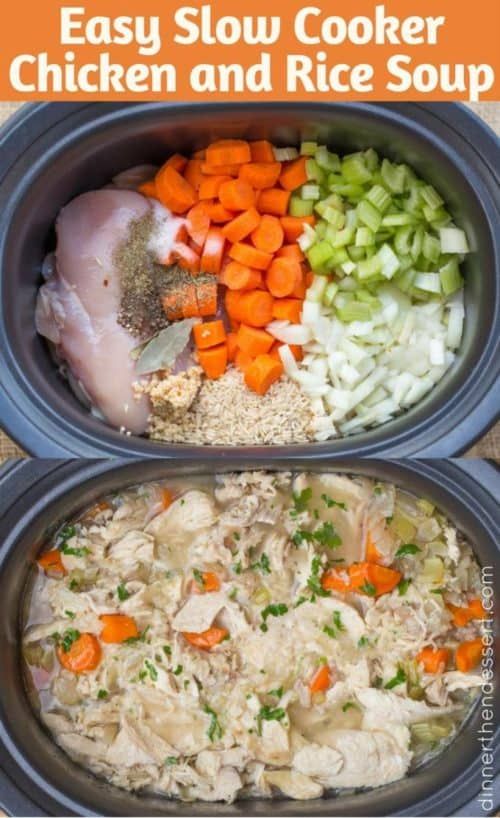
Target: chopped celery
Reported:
point(371, 159)
point(354, 170)
point(433, 571)
point(326, 160)
point(389, 261)
point(308, 148)
point(428, 282)
point(314, 172)
point(416, 246)
point(402, 526)
point(402, 240)
point(453, 240)
point(397, 220)
point(310, 192)
point(431, 197)
point(367, 298)
point(300, 207)
point(439, 216)
point(334, 217)
point(394, 176)
point(348, 267)
point(321, 229)
point(317, 289)
point(329, 293)
point(348, 285)
point(368, 268)
point(404, 280)
point(431, 247)
point(340, 256)
point(379, 198)
point(364, 237)
point(354, 311)
point(425, 507)
point(356, 253)
point(369, 215)
point(333, 200)
point(343, 237)
point(451, 280)
point(319, 254)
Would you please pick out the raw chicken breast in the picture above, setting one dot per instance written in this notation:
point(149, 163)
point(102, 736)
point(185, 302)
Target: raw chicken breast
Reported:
point(77, 309)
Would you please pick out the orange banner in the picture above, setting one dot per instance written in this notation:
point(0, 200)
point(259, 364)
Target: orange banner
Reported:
point(250, 50)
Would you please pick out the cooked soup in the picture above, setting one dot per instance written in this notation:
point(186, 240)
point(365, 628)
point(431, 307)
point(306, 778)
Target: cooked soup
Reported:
point(254, 633)
point(320, 294)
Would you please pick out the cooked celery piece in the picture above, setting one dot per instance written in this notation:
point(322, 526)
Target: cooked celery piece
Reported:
point(397, 220)
point(364, 237)
point(389, 261)
point(453, 240)
point(379, 198)
point(308, 148)
point(354, 311)
point(314, 172)
point(354, 169)
point(329, 293)
point(431, 247)
point(369, 215)
point(393, 176)
point(300, 207)
point(432, 571)
point(310, 192)
point(431, 197)
point(428, 282)
point(319, 254)
point(334, 217)
point(369, 268)
point(451, 280)
point(326, 160)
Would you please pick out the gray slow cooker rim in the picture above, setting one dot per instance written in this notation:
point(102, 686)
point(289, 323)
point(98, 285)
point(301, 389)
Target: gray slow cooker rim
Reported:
point(476, 482)
point(482, 398)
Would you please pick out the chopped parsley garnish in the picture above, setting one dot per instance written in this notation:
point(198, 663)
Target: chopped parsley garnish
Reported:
point(368, 589)
point(178, 670)
point(73, 552)
point(301, 499)
point(170, 761)
point(167, 650)
point(337, 628)
point(69, 636)
point(409, 548)
point(330, 502)
point(396, 680)
point(278, 692)
point(132, 640)
point(214, 731)
point(347, 706)
point(378, 681)
point(198, 577)
point(122, 592)
point(301, 536)
point(438, 590)
point(102, 694)
point(153, 673)
point(327, 536)
point(262, 565)
point(70, 614)
point(363, 641)
point(66, 534)
point(274, 609)
point(236, 566)
point(378, 490)
point(236, 536)
point(233, 593)
point(314, 582)
point(73, 585)
point(403, 586)
point(267, 713)
point(300, 601)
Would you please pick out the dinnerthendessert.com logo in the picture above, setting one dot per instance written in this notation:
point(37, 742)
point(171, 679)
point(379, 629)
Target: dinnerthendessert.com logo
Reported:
point(486, 731)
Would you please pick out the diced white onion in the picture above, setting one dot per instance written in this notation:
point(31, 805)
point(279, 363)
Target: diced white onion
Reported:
point(290, 333)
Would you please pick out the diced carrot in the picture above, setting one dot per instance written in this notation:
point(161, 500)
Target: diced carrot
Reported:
point(83, 655)
point(300, 289)
point(206, 296)
point(254, 341)
point(177, 161)
point(193, 173)
point(187, 257)
point(209, 583)
point(372, 554)
point(250, 256)
point(220, 170)
point(217, 212)
point(335, 580)
point(253, 307)
point(262, 151)
point(287, 309)
point(234, 325)
point(381, 578)
point(468, 654)
point(199, 154)
point(294, 174)
point(167, 498)
point(462, 616)
point(237, 195)
point(262, 373)
point(283, 276)
point(118, 628)
point(98, 508)
point(213, 250)
point(434, 660)
point(173, 191)
point(209, 334)
point(213, 361)
point(273, 201)
point(231, 302)
point(321, 680)
point(268, 236)
point(291, 251)
point(148, 189)
point(309, 278)
point(238, 276)
point(173, 303)
point(206, 639)
point(261, 175)
point(241, 227)
point(51, 561)
point(198, 223)
point(232, 346)
point(209, 188)
point(242, 360)
point(294, 226)
point(228, 152)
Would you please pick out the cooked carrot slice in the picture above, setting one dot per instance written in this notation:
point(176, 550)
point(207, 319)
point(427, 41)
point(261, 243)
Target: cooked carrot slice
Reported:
point(291, 251)
point(117, 628)
point(213, 361)
point(262, 151)
point(173, 190)
point(468, 654)
point(210, 186)
point(296, 351)
point(217, 211)
point(262, 373)
point(237, 195)
point(268, 235)
point(261, 175)
point(243, 360)
point(206, 296)
point(194, 174)
point(238, 276)
point(210, 583)
point(177, 161)
point(148, 189)
point(283, 276)
point(209, 334)
point(294, 226)
point(253, 307)
point(294, 174)
point(287, 309)
point(187, 258)
point(198, 223)
point(250, 256)
point(228, 152)
point(83, 655)
point(206, 639)
point(434, 660)
point(213, 251)
point(51, 561)
point(232, 346)
point(220, 170)
point(254, 341)
point(273, 201)
point(335, 580)
point(241, 227)
point(321, 680)
point(167, 498)
point(372, 553)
